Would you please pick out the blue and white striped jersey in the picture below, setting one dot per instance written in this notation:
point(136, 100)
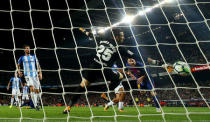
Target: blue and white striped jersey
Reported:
point(15, 82)
point(29, 65)
point(25, 90)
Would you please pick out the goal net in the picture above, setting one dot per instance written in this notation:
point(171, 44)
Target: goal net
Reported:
point(164, 30)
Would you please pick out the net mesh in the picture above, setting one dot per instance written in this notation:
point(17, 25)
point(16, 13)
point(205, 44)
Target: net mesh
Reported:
point(166, 30)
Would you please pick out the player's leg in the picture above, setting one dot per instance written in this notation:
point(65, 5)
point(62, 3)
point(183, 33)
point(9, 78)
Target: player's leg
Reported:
point(119, 92)
point(74, 97)
point(114, 101)
point(114, 77)
point(16, 100)
point(154, 95)
point(156, 101)
point(15, 94)
point(19, 101)
point(121, 99)
point(37, 95)
point(29, 82)
point(33, 96)
point(88, 77)
point(32, 93)
point(27, 100)
point(23, 100)
point(103, 95)
point(12, 101)
point(18, 97)
point(13, 97)
point(36, 99)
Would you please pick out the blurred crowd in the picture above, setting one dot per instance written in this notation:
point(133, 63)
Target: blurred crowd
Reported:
point(168, 97)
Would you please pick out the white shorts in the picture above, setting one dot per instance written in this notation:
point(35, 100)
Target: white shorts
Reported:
point(25, 97)
point(16, 92)
point(32, 81)
point(116, 90)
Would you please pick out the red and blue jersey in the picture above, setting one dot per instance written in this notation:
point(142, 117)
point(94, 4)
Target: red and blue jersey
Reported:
point(139, 71)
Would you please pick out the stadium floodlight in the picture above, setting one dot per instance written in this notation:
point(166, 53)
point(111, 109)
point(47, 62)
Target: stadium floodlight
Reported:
point(128, 19)
point(169, 1)
point(148, 10)
point(141, 13)
point(94, 32)
point(102, 30)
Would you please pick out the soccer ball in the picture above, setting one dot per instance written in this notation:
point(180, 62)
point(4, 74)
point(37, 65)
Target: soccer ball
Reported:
point(181, 68)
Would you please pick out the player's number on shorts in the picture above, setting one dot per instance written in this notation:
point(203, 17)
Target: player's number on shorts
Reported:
point(104, 53)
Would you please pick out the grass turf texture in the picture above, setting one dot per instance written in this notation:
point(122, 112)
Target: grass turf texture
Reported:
point(149, 114)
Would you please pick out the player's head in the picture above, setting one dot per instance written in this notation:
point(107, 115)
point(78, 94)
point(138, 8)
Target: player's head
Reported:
point(26, 49)
point(18, 74)
point(25, 84)
point(118, 34)
point(131, 62)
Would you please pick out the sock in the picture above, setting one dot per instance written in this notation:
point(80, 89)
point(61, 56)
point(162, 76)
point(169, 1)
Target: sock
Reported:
point(33, 99)
point(110, 103)
point(120, 105)
point(156, 102)
point(20, 102)
point(23, 102)
point(39, 96)
point(38, 99)
point(12, 100)
point(75, 97)
point(17, 100)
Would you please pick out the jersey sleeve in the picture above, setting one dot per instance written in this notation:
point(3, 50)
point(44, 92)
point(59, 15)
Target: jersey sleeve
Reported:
point(20, 60)
point(126, 53)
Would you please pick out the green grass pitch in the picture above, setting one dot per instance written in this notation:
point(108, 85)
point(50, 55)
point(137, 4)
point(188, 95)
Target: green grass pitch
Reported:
point(83, 114)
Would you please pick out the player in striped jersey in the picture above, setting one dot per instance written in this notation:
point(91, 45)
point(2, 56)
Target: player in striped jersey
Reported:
point(25, 98)
point(15, 83)
point(32, 75)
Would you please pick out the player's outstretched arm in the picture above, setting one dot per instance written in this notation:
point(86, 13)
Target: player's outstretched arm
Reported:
point(39, 71)
point(154, 62)
point(19, 71)
point(131, 75)
point(8, 86)
point(85, 32)
point(18, 66)
point(140, 79)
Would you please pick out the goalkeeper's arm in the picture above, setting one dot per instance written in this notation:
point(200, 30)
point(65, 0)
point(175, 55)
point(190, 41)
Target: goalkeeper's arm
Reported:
point(154, 62)
point(87, 33)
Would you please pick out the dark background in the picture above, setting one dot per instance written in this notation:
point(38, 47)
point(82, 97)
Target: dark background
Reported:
point(51, 29)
